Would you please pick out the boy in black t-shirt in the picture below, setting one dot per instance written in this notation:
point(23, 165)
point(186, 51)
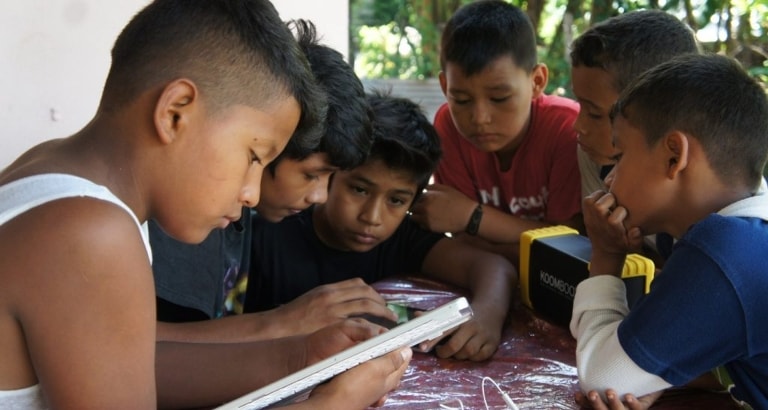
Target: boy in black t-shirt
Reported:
point(364, 231)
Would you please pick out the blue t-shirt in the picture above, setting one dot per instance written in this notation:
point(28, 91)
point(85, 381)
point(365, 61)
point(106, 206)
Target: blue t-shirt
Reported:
point(289, 259)
point(707, 308)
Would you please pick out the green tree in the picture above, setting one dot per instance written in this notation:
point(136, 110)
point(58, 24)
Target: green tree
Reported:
point(400, 38)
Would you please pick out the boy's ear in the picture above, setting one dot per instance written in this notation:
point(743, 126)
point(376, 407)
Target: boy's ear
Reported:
point(539, 79)
point(174, 109)
point(677, 149)
point(443, 82)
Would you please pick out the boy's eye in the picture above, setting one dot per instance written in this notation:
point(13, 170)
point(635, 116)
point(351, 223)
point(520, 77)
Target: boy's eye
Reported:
point(460, 100)
point(397, 201)
point(358, 190)
point(595, 116)
point(500, 99)
point(311, 177)
point(616, 157)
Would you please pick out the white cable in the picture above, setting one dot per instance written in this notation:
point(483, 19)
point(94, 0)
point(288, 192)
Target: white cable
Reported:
point(510, 404)
point(444, 406)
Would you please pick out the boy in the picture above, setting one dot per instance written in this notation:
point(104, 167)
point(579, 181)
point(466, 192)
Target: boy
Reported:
point(691, 137)
point(363, 231)
point(509, 162)
point(87, 337)
point(198, 282)
point(606, 58)
point(192, 280)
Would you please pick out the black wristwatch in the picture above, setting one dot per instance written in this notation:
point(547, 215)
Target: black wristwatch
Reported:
point(474, 221)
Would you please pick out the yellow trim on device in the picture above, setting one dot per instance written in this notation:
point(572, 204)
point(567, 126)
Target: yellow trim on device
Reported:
point(526, 240)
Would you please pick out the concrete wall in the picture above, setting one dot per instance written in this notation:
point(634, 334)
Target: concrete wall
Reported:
point(54, 58)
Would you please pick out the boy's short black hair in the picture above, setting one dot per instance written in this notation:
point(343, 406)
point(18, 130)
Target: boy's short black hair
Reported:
point(483, 31)
point(235, 51)
point(711, 98)
point(403, 137)
point(347, 138)
point(631, 43)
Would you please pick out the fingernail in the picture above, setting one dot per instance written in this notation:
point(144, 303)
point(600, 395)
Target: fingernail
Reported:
point(406, 354)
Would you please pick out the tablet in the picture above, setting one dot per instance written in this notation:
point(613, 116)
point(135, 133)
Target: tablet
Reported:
point(428, 326)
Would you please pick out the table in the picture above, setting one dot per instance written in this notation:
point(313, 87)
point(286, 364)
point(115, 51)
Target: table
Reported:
point(535, 365)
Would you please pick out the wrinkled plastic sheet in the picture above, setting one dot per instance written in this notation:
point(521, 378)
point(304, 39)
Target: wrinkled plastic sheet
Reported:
point(534, 365)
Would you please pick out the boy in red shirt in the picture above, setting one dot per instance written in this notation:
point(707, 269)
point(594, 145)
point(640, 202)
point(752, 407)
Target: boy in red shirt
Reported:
point(509, 161)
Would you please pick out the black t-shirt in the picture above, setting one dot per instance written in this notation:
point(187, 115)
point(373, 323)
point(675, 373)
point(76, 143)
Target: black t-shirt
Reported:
point(200, 281)
point(288, 259)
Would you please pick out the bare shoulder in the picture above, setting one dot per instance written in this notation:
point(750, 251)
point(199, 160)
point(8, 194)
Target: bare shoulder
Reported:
point(77, 278)
point(72, 235)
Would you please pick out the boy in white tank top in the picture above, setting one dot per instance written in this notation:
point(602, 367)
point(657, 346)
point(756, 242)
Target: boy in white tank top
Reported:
point(182, 139)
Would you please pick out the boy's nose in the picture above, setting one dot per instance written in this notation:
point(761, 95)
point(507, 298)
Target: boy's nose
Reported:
point(319, 194)
point(251, 190)
point(481, 114)
point(372, 213)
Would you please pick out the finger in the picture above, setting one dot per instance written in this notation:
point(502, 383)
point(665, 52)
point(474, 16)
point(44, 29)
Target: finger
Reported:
point(365, 306)
point(380, 402)
point(594, 196)
point(358, 329)
point(595, 401)
point(455, 340)
point(581, 399)
point(428, 345)
point(614, 401)
point(606, 203)
point(486, 351)
point(633, 403)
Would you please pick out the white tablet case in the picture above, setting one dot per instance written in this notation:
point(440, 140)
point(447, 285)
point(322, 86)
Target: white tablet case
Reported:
point(428, 326)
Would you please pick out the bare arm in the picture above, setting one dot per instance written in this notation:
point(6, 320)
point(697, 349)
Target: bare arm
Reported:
point(490, 279)
point(208, 374)
point(89, 328)
point(360, 387)
point(312, 311)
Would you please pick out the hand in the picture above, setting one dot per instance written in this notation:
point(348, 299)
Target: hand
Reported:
point(337, 337)
point(363, 386)
point(328, 304)
point(604, 219)
point(475, 340)
point(442, 208)
point(593, 400)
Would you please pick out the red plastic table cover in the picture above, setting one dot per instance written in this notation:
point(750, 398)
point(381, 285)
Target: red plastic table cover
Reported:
point(534, 365)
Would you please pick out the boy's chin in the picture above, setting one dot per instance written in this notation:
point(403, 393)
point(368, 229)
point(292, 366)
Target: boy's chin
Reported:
point(358, 247)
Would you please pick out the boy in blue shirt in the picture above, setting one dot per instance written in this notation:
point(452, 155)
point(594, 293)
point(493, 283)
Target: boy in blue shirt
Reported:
point(691, 137)
point(363, 231)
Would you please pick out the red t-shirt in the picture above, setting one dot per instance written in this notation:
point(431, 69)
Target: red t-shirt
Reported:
point(542, 182)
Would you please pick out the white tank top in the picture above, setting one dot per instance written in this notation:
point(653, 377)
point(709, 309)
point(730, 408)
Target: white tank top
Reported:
point(24, 194)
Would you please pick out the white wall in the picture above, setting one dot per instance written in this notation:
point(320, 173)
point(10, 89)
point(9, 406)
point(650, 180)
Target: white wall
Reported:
point(54, 58)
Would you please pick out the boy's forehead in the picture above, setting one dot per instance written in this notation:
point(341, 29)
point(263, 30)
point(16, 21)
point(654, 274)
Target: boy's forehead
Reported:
point(623, 131)
point(377, 173)
point(501, 70)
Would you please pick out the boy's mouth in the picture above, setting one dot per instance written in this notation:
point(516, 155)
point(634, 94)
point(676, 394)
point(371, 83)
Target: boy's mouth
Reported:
point(363, 238)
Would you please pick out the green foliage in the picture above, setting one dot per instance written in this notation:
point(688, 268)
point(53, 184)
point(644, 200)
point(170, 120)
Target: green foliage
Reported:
point(400, 38)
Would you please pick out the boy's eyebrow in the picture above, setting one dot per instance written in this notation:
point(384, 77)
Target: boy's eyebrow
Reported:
point(588, 102)
point(326, 168)
point(368, 182)
point(407, 192)
point(497, 87)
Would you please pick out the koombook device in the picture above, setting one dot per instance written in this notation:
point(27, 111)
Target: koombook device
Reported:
point(553, 260)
